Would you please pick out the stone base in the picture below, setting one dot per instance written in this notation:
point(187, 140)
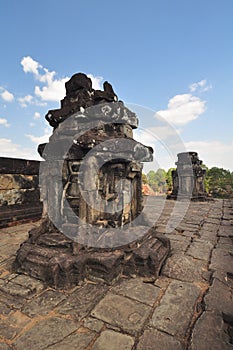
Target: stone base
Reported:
point(61, 263)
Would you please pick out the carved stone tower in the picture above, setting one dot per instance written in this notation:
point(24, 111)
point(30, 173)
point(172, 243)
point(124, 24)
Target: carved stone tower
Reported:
point(188, 178)
point(93, 223)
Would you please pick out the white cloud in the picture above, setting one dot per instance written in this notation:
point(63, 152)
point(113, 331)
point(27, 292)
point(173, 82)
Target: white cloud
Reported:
point(213, 153)
point(52, 89)
point(7, 96)
point(182, 109)
point(162, 139)
point(10, 149)
point(30, 66)
point(25, 101)
point(30, 100)
point(96, 81)
point(40, 139)
point(200, 86)
point(150, 136)
point(37, 115)
point(4, 122)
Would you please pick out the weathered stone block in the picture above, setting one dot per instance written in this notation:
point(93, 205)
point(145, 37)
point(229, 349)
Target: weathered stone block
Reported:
point(184, 268)
point(222, 259)
point(153, 339)
point(82, 300)
point(42, 304)
point(45, 333)
point(122, 312)
point(169, 316)
point(219, 298)
point(135, 289)
point(200, 250)
point(209, 333)
point(112, 340)
point(76, 341)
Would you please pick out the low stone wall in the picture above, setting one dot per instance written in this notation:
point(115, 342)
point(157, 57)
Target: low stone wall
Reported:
point(19, 191)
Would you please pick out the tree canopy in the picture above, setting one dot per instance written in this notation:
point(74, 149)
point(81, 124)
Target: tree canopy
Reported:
point(157, 180)
point(219, 182)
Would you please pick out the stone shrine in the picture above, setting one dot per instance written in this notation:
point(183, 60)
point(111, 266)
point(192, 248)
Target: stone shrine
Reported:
point(188, 178)
point(93, 222)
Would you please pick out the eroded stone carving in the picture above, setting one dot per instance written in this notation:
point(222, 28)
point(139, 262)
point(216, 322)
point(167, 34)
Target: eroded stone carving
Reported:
point(92, 195)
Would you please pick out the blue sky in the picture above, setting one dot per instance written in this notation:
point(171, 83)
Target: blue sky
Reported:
point(171, 57)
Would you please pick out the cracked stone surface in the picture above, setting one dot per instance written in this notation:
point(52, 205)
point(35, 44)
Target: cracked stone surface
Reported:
point(165, 315)
point(82, 301)
point(114, 341)
point(122, 312)
point(219, 298)
point(135, 289)
point(200, 250)
point(209, 333)
point(45, 333)
point(188, 307)
point(184, 268)
point(153, 339)
point(42, 304)
point(76, 341)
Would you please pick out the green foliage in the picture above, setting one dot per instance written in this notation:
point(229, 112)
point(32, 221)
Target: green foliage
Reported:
point(169, 179)
point(206, 182)
point(157, 180)
point(219, 182)
point(144, 179)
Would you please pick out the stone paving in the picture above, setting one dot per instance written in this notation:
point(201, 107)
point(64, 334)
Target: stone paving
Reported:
point(188, 307)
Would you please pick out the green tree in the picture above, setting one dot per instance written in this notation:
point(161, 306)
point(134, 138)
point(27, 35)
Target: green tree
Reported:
point(206, 181)
point(220, 182)
point(161, 178)
point(151, 176)
point(157, 180)
point(169, 179)
point(144, 179)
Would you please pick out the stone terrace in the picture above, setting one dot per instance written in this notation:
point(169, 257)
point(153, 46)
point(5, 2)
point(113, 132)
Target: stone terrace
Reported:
point(188, 307)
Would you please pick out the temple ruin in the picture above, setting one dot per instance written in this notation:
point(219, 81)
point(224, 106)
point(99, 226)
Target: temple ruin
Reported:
point(93, 222)
point(188, 178)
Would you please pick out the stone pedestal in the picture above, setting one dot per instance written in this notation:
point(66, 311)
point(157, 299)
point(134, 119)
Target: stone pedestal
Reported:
point(92, 194)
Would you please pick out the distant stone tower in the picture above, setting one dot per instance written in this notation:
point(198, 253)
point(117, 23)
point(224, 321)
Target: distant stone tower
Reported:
point(188, 178)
